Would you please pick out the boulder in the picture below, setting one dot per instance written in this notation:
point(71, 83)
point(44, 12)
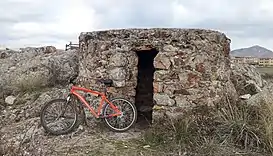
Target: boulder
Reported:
point(246, 79)
point(49, 49)
point(10, 100)
point(263, 97)
point(32, 68)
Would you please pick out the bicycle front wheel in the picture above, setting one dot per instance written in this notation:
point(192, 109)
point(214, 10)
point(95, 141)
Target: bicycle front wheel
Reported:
point(123, 122)
point(58, 116)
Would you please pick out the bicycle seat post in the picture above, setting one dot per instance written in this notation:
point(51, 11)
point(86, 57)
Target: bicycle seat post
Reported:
point(106, 83)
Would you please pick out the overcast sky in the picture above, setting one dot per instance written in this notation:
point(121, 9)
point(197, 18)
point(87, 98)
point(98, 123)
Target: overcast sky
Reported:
point(56, 22)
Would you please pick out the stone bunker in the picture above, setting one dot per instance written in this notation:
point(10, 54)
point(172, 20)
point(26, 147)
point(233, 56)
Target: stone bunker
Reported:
point(169, 70)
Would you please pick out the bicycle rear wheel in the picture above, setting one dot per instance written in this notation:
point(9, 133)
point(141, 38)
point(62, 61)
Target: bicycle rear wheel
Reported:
point(58, 117)
point(126, 120)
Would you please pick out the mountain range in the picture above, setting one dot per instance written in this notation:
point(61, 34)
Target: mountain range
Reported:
point(254, 51)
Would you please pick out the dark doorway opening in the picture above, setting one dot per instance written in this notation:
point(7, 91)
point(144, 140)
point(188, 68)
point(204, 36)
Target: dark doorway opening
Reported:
point(144, 90)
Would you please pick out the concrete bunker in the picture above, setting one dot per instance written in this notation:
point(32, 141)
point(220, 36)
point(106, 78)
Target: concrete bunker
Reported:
point(190, 67)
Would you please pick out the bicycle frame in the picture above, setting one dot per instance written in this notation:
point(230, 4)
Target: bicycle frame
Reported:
point(97, 114)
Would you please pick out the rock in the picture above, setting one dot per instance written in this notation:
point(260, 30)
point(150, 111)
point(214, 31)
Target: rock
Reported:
point(161, 61)
point(26, 137)
point(80, 127)
point(163, 100)
point(118, 60)
point(49, 49)
point(160, 75)
point(146, 146)
point(3, 55)
point(158, 87)
point(118, 74)
point(30, 69)
point(263, 97)
point(245, 97)
point(181, 101)
point(183, 76)
point(29, 105)
point(246, 79)
point(170, 48)
point(10, 100)
point(157, 107)
point(121, 83)
point(33, 108)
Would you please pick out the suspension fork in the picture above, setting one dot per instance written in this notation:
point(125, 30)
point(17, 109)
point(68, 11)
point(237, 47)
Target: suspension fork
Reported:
point(68, 99)
point(77, 105)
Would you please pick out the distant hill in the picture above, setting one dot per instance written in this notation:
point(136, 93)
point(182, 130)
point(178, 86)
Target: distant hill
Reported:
point(254, 51)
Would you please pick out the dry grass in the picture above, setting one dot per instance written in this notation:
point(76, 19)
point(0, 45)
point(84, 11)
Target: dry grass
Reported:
point(229, 129)
point(249, 127)
point(266, 72)
point(266, 118)
point(232, 128)
point(30, 84)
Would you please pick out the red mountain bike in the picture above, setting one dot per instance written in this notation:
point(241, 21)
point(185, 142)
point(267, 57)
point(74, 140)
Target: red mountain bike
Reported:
point(61, 116)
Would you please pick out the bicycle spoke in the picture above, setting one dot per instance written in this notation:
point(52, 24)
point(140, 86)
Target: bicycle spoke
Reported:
point(125, 120)
point(59, 116)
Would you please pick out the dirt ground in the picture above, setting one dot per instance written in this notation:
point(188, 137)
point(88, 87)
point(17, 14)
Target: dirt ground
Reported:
point(28, 138)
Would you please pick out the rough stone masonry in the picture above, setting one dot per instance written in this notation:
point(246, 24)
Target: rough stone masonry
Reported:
point(170, 69)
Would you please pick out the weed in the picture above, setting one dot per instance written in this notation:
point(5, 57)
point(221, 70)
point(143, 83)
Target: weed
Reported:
point(210, 131)
point(265, 112)
point(239, 124)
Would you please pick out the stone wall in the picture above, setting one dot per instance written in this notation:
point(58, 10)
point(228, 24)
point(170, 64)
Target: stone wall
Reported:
point(192, 66)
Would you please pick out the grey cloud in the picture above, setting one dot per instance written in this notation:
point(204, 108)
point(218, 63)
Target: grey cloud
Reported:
point(233, 15)
point(25, 12)
point(240, 19)
point(131, 13)
point(240, 28)
point(12, 12)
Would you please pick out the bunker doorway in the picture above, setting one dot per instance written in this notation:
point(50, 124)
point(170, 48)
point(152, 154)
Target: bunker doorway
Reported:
point(144, 89)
